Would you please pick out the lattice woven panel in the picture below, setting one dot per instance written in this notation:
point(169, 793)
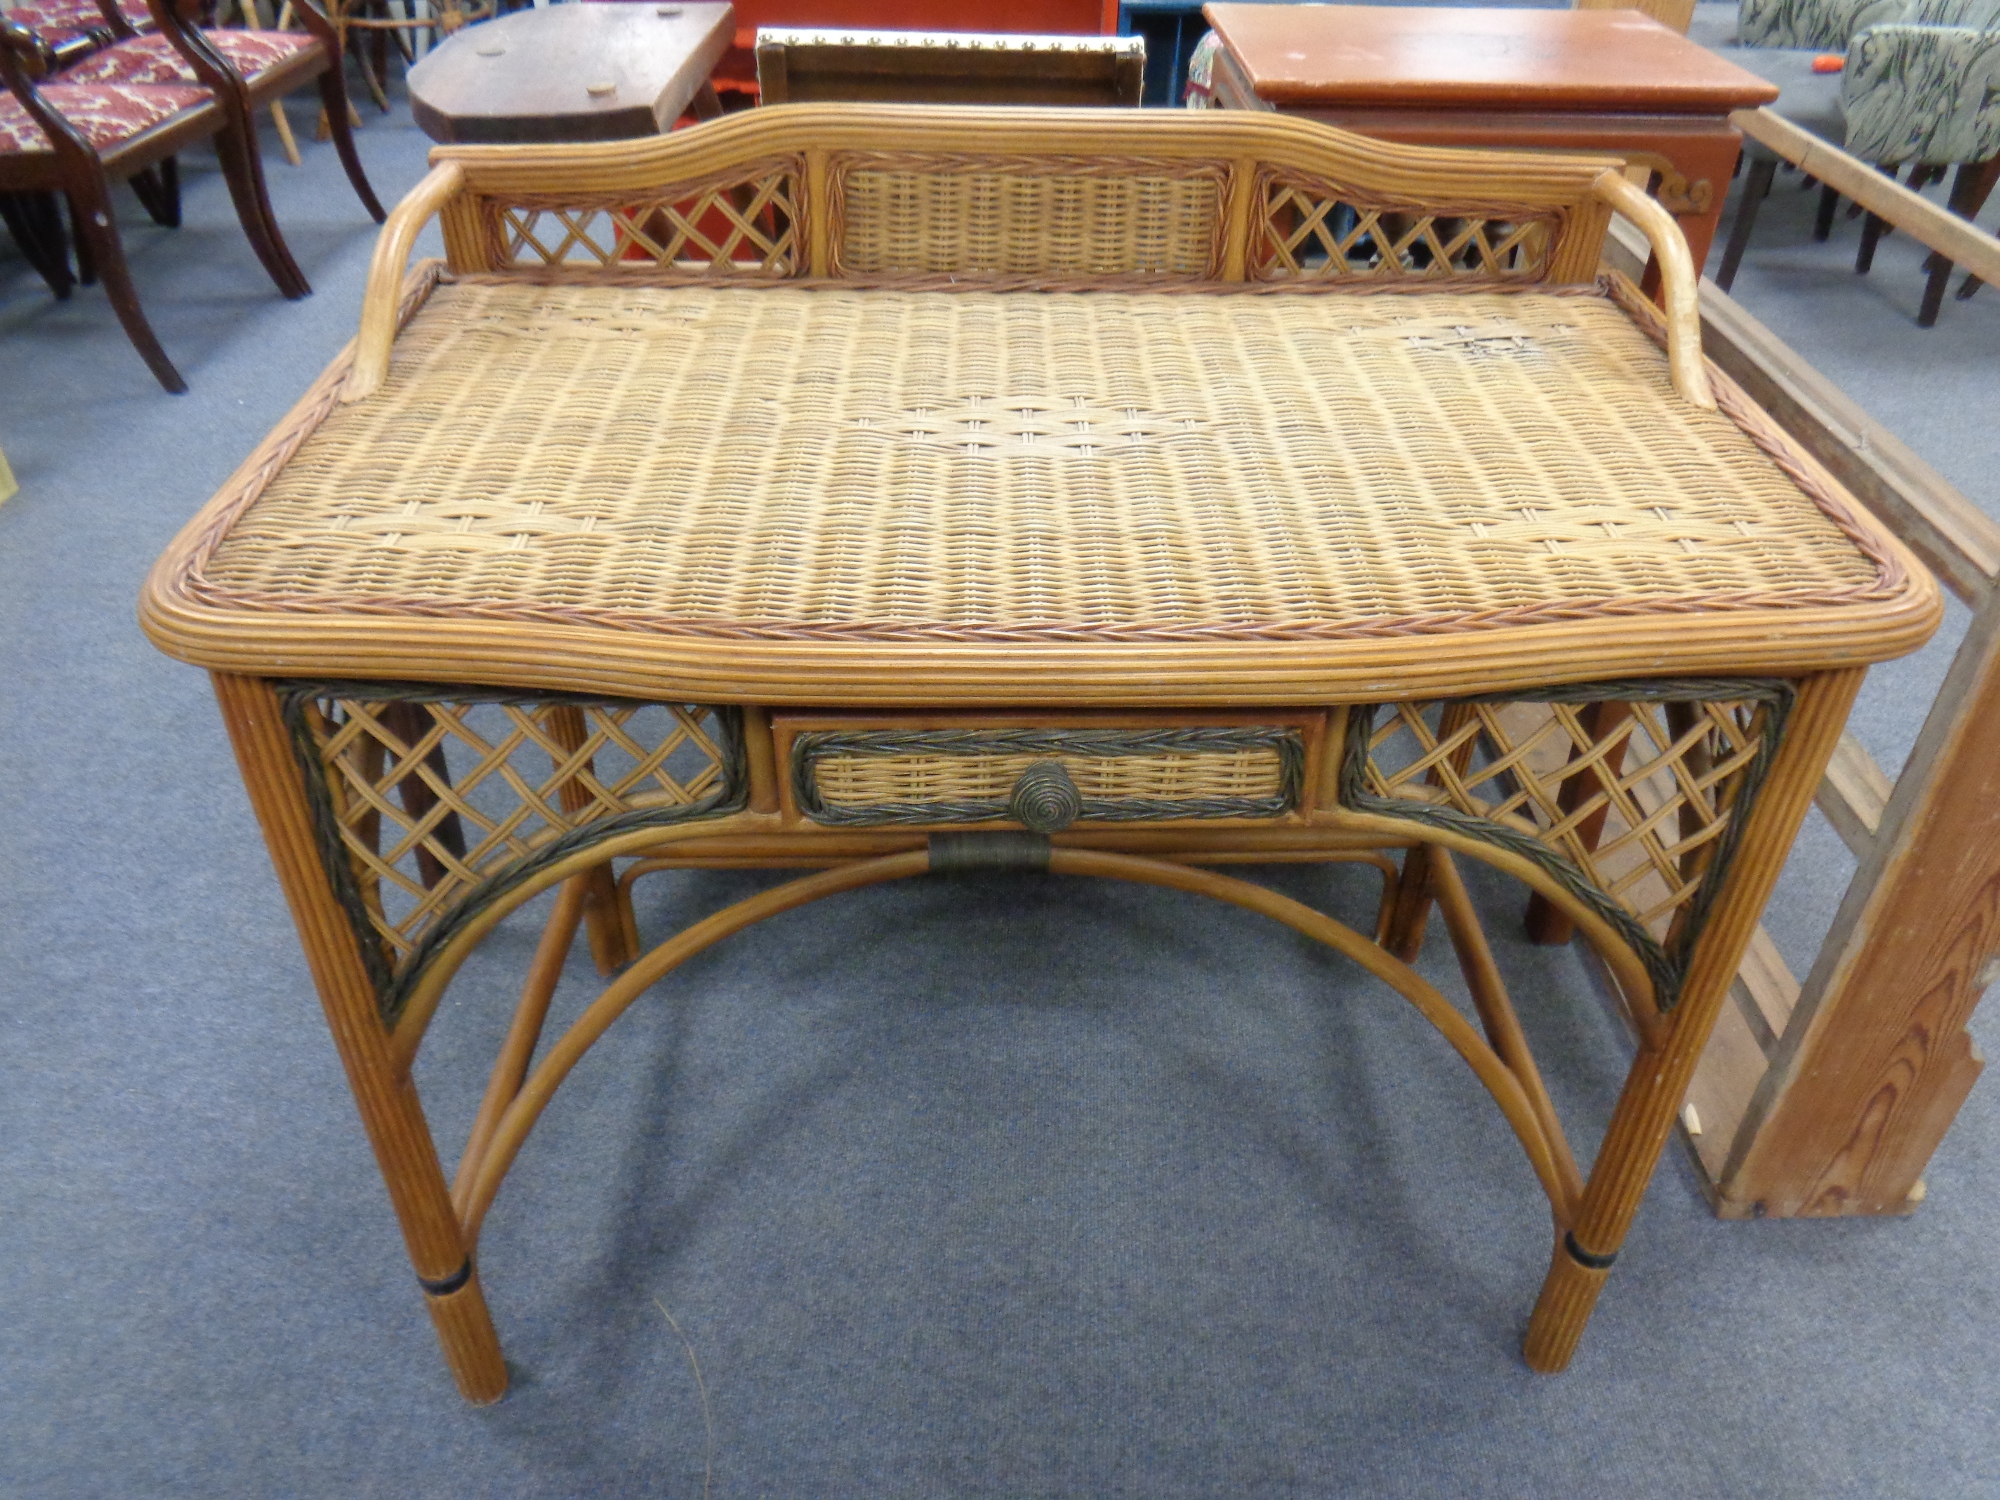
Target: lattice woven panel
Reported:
point(431, 800)
point(1638, 797)
point(1315, 231)
point(737, 227)
point(992, 216)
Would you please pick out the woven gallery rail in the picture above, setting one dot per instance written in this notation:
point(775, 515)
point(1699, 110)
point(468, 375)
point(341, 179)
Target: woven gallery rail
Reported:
point(876, 491)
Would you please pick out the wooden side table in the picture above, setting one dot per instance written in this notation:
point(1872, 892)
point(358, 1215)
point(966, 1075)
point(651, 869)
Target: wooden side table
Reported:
point(1596, 80)
point(572, 73)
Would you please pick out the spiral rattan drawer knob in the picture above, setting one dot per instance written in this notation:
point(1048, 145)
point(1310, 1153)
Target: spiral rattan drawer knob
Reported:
point(1045, 800)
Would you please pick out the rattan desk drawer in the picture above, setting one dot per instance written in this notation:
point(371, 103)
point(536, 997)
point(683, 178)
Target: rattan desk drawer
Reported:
point(1043, 775)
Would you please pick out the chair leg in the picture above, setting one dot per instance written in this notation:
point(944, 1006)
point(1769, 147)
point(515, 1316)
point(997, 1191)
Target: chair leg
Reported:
point(1409, 905)
point(86, 263)
point(1969, 190)
point(1988, 174)
point(1871, 236)
point(158, 190)
point(1756, 186)
point(368, 77)
point(286, 140)
point(244, 172)
point(334, 111)
point(1873, 229)
point(35, 222)
point(381, 40)
point(90, 206)
point(1829, 200)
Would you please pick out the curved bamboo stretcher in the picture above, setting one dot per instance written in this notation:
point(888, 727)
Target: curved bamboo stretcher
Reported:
point(881, 491)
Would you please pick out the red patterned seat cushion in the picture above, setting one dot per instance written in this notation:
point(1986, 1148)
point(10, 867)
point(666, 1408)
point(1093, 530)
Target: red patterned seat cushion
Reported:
point(105, 114)
point(152, 59)
point(56, 21)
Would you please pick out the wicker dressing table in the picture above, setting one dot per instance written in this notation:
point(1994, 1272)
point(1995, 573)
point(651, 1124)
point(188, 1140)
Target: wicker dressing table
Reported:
point(880, 491)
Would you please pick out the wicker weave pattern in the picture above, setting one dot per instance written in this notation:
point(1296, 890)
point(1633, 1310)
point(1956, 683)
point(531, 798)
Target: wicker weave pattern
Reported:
point(1298, 467)
point(856, 781)
point(1121, 775)
point(746, 223)
point(1660, 783)
point(1318, 231)
point(1048, 217)
point(430, 800)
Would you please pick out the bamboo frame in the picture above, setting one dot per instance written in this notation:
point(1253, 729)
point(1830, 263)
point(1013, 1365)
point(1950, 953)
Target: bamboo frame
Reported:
point(1590, 1213)
point(1817, 651)
point(463, 175)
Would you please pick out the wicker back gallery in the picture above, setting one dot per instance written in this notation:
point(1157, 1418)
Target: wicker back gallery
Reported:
point(886, 490)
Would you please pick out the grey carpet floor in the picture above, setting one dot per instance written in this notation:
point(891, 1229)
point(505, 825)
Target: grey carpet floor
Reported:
point(996, 1187)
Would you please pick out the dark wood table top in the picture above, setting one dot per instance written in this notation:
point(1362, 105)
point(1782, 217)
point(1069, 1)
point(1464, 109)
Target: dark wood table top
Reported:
point(570, 72)
point(1438, 57)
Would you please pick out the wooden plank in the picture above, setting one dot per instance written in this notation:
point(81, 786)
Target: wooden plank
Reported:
point(1876, 1060)
point(1956, 539)
point(1854, 794)
point(1732, 1066)
point(1958, 239)
point(1736, 1062)
point(1765, 990)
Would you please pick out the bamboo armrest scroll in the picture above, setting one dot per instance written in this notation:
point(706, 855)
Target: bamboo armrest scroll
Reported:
point(1677, 279)
point(379, 304)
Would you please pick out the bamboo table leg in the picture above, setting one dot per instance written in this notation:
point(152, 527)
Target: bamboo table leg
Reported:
point(1659, 1076)
point(612, 942)
point(385, 1096)
point(1878, 1059)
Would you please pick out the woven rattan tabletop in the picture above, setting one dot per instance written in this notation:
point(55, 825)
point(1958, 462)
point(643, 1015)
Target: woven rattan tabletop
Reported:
point(836, 493)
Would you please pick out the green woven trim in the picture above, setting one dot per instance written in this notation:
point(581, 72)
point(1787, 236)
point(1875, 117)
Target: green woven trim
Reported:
point(810, 748)
point(1666, 968)
point(392, 984)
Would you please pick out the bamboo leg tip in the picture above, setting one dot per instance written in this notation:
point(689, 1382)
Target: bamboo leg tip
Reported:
point(471, 1347)
point(1568, 1296)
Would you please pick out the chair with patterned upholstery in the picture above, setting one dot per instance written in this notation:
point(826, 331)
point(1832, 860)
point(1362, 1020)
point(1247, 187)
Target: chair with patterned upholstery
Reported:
point(1920, 87)
point(69, 30)
point(1809, 25)
point(62, 23)
point(247, 69)
point(1807, 99)
point(76, 139)
point(1924, 90)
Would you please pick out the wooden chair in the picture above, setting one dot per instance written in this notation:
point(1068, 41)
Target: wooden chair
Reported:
point(76, 139)
point(68, 31)
point(247, 70)
point(62, 22)
point(934, 67)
